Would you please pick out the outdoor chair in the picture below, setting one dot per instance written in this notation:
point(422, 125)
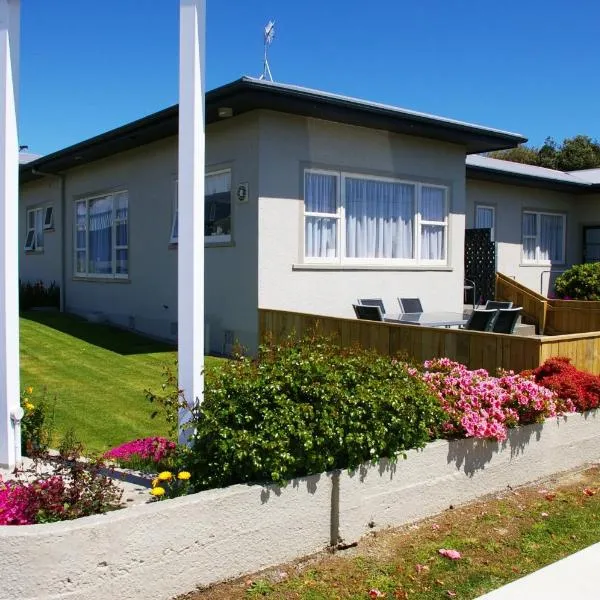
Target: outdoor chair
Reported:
point(373, 302)
point(367, 313)
point(506, 321)
point(469, 286)
point(497, 305)
point(481, 320)
point(410, 305)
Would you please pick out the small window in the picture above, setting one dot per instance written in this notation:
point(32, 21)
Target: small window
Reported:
point(543, 238)
point(30, 241)
point(485, 218)
point(34, 240)
point(49, 218)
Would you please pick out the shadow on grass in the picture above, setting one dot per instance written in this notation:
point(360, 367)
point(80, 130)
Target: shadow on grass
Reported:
point(99, 334)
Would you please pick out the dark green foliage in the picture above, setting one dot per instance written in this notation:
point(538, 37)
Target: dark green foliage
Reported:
point(37, 294)
point(580, 282)
point(305, 407)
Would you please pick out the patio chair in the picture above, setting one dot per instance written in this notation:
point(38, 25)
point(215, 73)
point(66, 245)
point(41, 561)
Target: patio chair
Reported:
point(367, 313)
point(410, 305)
point(497, 305)
point(373, 302)
point(481, 320)
point(469, 286)
point(506, 321)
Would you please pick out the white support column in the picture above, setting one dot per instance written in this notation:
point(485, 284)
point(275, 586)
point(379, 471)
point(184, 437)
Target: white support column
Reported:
point(10, 409)
point(190, 289)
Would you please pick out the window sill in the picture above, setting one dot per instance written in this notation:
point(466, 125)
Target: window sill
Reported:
point(175, 245)
point(330, 267)
point(92, 279)
point(546, 265)
point(33, 252)
point(49, 230)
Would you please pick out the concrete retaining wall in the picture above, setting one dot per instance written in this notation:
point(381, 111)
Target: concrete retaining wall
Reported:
point(164, 549)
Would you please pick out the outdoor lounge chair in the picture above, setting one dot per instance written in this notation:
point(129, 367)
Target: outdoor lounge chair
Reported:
point(373, 302)
point(497, 305)
point(368, 313)
point(410, 305)
point(506, 321)
point(481, 320)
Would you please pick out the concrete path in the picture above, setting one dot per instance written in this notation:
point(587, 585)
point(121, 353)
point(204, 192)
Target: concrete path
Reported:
point(573, 578)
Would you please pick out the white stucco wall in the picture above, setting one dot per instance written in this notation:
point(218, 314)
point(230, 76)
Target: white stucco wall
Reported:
point(290, 144)
point(168, 548)
point(509, 202)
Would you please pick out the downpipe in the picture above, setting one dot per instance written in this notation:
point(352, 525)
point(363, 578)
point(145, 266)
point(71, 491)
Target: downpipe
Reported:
point(16, 416)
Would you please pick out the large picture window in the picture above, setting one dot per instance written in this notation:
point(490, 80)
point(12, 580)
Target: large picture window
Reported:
point(350, 218)
point(217, 209)
point(543, 238)
point(101, 246)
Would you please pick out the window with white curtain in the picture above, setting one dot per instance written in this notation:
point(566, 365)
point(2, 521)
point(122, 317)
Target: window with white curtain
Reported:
point(101, 247)
point(217, 208)
point(34, 237)
point(485, 218)
point(543, 237)
point(350, 218)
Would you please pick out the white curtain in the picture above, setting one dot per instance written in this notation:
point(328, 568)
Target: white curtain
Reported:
point(551, 238)
point(379, 219)
point(320, 233)
point(100, 221)
point(484, 219)
point(433, 210)
point(529, 236)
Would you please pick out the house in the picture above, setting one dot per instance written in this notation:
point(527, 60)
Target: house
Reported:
point(312, 200)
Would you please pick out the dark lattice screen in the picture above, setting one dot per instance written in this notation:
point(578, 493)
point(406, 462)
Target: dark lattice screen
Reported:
point(480, 263)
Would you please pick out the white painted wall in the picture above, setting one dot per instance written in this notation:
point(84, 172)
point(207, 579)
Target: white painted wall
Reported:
point(168, 548)
point(510, 201)
point(288, 145)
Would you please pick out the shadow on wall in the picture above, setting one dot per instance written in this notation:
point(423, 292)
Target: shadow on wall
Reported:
point(99, 334)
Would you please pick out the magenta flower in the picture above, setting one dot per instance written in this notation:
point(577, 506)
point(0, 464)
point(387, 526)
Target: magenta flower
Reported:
point(155, 449)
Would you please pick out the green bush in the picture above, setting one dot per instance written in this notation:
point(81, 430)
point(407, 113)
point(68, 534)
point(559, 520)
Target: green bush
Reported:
point(305, 407)
point(580, 282)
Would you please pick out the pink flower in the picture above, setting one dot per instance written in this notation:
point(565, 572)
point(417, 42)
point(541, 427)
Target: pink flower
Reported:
point(375, 593)
point(451, 554)
point(420, 568)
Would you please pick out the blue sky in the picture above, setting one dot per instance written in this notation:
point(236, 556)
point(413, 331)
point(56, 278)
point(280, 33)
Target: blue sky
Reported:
point(529, 66)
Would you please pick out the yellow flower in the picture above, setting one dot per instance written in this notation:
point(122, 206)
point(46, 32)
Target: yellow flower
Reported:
point(157, 491)
point(183, 475)
point(25, 399)
point(155, 482)
point(29, 406)
point(165, 476)
point(29, 390)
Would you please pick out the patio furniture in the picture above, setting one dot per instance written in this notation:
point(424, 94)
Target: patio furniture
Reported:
point(373, 302)
point(410, 305)
point(428, 319)
point(481, 320)
point(469, 285)
point(497, 304)
point(367, 313)
point(507, 319)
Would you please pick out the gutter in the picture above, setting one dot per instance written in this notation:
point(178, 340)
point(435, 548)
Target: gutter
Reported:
point(63, 243)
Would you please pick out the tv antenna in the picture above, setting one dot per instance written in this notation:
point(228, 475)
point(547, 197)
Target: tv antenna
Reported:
point(269, 36)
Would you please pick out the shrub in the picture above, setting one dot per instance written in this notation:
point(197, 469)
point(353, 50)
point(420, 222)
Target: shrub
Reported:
point(481, 406)
point(38, 294)
point(573, 386)
point(580, 282)
point(305, 407)
point(144, 454)
point(37, 424)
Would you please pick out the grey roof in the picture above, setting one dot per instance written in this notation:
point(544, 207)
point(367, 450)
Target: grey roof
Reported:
point(591, 175)
point(27, 157)
point(484, 167)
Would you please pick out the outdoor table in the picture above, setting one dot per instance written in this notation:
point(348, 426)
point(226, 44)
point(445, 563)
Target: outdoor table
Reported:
point(428, 319)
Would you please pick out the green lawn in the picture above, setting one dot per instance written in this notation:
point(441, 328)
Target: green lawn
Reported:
point(97, 374)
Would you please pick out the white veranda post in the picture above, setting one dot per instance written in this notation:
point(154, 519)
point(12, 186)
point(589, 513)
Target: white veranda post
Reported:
point(190, 290)
point(10, 408)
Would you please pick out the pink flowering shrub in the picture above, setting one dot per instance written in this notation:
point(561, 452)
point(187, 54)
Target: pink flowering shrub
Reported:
point(156, 450)
point(482, 406)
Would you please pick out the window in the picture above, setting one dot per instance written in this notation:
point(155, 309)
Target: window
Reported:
point(102, 236)
point(48, 218)
point(34, 240)
point(543, 238)
point(373, 220)
point(485, 218)
point(217, 209)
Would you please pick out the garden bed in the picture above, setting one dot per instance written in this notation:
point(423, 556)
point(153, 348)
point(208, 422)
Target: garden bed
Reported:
point(220, 534)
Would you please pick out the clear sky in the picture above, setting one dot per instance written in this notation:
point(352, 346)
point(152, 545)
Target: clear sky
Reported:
point(529, 66)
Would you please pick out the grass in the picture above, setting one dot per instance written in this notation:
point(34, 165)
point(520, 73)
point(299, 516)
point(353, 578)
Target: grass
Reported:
point(95, 375)
point(501, 539)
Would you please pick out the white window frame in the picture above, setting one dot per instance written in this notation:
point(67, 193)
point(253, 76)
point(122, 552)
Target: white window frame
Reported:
point(115, 221)
point(34, 246)
point(537, 260)
point(48, 222)
point(210, 239)
point(340, 215)
point(493, 228)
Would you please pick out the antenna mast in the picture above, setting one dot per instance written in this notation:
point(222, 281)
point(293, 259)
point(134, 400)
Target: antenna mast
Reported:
point(269, 35)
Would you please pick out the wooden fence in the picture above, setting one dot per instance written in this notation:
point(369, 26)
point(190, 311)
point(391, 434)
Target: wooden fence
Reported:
point(472, 348)
point(551, 316)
